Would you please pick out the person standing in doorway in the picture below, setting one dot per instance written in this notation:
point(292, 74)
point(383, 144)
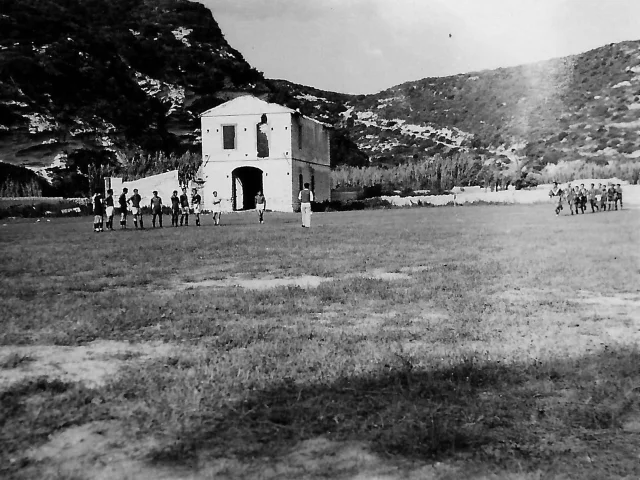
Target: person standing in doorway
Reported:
point(306, 197)
point(216, 208)
point(156, 210)
point(109, 208)
point(175, 208)
point(122, 203)
point(136, 211)
point(261, 205)
point(184, 208)
point(196, 200)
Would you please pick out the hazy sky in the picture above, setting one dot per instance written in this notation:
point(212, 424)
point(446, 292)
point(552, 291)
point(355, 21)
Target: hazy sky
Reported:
point(364, 46)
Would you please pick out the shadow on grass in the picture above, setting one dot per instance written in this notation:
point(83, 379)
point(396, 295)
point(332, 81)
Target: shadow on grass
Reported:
point(547, 416)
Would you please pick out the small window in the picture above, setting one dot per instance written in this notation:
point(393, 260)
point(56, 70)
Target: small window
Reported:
point(229, 137)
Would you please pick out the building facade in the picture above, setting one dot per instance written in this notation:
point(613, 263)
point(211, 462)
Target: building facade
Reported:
point(249, 145)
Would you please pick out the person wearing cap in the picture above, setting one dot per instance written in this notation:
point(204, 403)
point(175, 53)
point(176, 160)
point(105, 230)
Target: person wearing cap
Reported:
point(305, 197)
point(156, 209)
point(136, 211)
point(556, 192)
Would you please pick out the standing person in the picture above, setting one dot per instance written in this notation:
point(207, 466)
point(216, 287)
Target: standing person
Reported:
point(122, 203)
point(619, 196)
point(261, 204)
point(156, 209)
point(136, 211)
point(556, 192)
point(569, 197)
point(216, 209)
point(109, 208)
point(603, 198)
point(196, 201)
point(306, 197)
point(98, 212)
point(175, 208)
point(611, 197)
point(592, 198)
point(184, 208)
point(577, 200)
point(583, 198)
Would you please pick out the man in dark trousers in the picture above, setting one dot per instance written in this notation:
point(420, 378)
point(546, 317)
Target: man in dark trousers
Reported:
point(156, 209)
point(184, 208)
point(122, 203)
point(306, 197)
point(175, 208)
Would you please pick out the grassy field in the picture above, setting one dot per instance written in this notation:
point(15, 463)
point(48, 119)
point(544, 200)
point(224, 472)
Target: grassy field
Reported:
point(459, 342)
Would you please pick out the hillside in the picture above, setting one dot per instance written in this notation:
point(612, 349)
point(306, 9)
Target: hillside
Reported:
point(86, 84)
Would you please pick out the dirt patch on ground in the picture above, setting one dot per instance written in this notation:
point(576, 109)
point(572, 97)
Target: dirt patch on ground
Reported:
point(270, 281)
point(96, 451)
point(91, 364)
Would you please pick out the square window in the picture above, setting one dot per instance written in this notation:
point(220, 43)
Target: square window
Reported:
point(229, 137)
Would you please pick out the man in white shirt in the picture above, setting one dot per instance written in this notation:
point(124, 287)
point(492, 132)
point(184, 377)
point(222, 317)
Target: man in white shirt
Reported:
point(306, 197)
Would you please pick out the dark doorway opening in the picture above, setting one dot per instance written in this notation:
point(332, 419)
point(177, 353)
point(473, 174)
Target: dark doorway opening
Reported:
point(246, 183)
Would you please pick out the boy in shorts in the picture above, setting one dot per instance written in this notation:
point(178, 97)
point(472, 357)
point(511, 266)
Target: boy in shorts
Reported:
point(122, 203)
point(184, 208)
point(98, 212)
point(261, 204)
point(175, 208)
point(216, 208)
point(136, 211)
point(196, 200)
point(109, 209)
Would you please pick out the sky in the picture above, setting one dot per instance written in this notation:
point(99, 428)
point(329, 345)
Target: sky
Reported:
point(365, 46)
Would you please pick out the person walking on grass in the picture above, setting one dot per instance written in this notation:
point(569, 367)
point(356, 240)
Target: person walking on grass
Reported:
point(175, 208)
point(619, 196)
point(122, 203)
point(306, 197)
point(570, 197)
point(156, 210)
point(261, 205)
point(216, 208)
point(184, 208)
point(556, 191)
point(611, 197)
point(196, 200)
point(136, 211)
point(109, 209)
point(98, 212)
point(603, 198)
point(582, 194)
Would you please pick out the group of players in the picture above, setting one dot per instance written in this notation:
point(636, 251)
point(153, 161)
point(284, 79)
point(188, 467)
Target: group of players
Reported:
point(600, 199)
point(181, 207)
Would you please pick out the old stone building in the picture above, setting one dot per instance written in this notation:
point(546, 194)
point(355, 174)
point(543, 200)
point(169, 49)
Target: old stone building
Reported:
point(250, 145)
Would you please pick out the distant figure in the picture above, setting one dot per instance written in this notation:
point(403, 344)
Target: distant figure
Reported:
point(122, 203)
point(156, 210)
point(184, 208)
point(611, 197)
point(136, 211)
point(196, 200)
point(175, 208)
point(261, 204)
point(109, 208)
point(619, 196)
point(603, 198)
point(570, 196)
point(556, 192)
point(583, 198)
point(591, 195)
point(98, 212)
point(216, 208)
point(306, 197)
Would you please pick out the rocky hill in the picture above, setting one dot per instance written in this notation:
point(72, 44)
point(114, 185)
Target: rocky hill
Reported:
point(107, 79)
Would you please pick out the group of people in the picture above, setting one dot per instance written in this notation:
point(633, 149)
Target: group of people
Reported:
point(181, 207)
point(600, 199)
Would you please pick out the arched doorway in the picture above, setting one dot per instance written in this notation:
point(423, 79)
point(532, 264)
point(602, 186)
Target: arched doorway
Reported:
point(246, 182)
